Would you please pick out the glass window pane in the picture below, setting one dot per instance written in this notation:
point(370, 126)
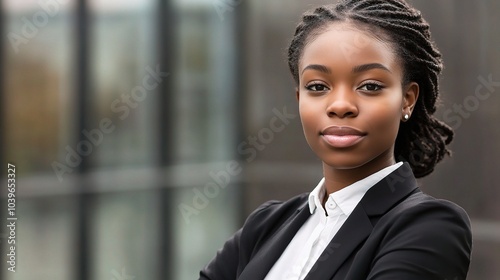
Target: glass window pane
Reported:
point(205, 134)
point(125, 82)
point(125, 236)
point(38, 74)
point(45, 236)
point(199, 236)
point(205, 86)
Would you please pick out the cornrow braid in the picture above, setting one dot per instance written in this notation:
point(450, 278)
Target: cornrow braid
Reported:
point(422, 140)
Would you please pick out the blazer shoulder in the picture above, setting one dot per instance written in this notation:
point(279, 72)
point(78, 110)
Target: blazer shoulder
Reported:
point(423, 204)
point(434, 235)
point(421, 238)
point(275, 210)
point(270, 216)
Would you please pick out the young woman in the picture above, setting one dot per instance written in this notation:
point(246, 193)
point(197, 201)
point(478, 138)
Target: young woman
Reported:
point(367, 85)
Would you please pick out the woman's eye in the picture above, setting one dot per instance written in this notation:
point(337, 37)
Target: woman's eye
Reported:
point(371, 87)
point(317, 87)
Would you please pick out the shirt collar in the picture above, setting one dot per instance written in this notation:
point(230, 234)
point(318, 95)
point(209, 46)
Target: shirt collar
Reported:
point(348, 197)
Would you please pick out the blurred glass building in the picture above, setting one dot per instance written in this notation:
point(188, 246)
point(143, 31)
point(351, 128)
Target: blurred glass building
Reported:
point(144, 132)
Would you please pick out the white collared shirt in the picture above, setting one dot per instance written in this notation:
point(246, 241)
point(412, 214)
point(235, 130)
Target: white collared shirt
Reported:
point(319, 229)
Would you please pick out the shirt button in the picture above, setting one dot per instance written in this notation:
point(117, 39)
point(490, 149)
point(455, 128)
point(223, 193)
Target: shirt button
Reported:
point(331, 205)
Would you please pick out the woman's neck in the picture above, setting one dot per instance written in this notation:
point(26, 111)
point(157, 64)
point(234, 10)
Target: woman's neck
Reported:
point(337, 179)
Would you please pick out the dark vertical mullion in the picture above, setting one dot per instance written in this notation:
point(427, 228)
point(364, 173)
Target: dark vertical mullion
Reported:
point(83, 244)
point(241, 22)
point(166, 56)
point(166, 49)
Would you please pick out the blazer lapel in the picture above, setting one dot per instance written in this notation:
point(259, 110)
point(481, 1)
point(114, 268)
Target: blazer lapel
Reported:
point(354, 231)
point(376, 202)
point(265, 258)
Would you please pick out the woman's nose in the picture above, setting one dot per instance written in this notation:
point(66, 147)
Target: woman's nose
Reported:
point(342, 104)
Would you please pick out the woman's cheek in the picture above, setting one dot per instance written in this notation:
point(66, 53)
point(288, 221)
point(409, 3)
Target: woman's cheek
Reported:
point(309, 118)
point(385, 121)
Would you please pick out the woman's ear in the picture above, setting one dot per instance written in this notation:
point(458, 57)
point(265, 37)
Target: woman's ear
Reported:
point(410, 97)
point(297, 93)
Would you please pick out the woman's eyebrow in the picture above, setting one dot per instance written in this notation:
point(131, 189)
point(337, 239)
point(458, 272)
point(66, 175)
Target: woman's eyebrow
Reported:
point(355, 69)
point(369, 66)
point(317, 67)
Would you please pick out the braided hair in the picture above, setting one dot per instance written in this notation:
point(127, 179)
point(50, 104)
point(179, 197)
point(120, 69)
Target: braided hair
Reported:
point(422, 140)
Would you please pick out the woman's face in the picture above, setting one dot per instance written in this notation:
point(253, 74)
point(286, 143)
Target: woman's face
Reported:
point(351, 99)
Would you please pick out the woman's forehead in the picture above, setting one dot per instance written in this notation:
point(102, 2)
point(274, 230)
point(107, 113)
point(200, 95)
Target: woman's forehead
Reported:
point(349, 45)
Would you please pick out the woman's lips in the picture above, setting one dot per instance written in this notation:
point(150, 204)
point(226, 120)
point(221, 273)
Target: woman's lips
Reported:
point(343, 141)
point(342, 137)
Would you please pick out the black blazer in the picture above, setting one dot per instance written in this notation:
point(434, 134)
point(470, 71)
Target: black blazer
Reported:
point(395, 232)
